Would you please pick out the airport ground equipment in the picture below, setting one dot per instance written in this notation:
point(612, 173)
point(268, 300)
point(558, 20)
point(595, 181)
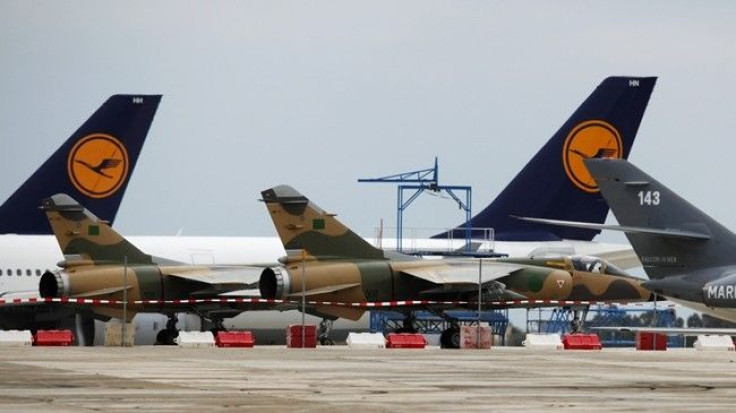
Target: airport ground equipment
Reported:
point(299, 336)
point(366, 341)
point(53, 338)
point(579, 341)
point(16, 338)
point(716, 342)
point(242, 339)
point(195, 339)
point(476, 337)
point(560, 321)
point(419, 182)
point(647, 340)
point(543, 342)
point(426, 322)
point(405, 340)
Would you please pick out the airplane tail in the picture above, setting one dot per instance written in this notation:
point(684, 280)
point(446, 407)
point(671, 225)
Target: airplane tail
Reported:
point(302, 225)
point(85, 238)
point(670, 235)
point(555, 183)
point(94, 165)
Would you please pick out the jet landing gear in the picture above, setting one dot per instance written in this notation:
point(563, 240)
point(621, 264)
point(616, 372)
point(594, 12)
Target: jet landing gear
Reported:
point(167, 336)
point(408, 324)
point(323, 332)
point(450, 337)
point(577, 323)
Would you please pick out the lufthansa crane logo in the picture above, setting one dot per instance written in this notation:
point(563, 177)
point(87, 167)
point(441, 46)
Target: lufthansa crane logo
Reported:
point(98, 165)
point(590, 139)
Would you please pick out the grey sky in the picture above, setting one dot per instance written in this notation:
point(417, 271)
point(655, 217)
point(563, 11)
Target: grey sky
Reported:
point(319, 94)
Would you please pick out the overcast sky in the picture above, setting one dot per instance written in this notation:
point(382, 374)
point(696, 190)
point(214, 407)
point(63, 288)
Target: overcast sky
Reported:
point(317, 94)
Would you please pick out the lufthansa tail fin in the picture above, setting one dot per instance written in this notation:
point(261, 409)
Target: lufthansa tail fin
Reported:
point(85, 238)
point(555, 183)
point(670, 236)
point(94, 165)
point(302, 225)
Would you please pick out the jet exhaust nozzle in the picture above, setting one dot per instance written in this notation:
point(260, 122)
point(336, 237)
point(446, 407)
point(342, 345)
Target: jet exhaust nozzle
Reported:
point(54, 285)
point(274, 283)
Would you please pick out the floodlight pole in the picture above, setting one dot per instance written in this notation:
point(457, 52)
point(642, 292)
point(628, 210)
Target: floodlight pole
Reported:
point(125, 299)
point(304, 295)
point(480, 292)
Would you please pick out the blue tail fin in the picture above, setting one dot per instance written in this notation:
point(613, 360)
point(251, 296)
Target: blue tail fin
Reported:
point(555, 183)
point(94, 165)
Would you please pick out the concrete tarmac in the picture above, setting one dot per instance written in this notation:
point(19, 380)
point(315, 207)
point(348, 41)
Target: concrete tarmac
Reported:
point(337, 379)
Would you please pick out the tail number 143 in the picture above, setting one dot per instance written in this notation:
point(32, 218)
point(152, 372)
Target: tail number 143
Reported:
point(648, 198)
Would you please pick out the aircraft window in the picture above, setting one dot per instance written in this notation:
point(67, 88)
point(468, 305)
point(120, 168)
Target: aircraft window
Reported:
point(38, 272)
point(10, 272)
point(1, 272)
point(28, 272)
point(18, 272)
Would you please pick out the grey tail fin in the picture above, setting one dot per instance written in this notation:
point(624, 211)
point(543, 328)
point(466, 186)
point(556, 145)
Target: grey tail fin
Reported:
point(680, 238)
point(302, 225)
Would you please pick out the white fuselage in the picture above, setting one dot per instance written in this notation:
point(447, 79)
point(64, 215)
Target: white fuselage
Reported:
point(34, 254)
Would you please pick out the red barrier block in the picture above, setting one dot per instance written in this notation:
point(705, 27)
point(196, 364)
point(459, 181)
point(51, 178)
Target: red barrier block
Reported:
point(294, 336)
point(581, 342)
point(647, 340)
point(234, 339)
point(53, 338)
point(405, 340)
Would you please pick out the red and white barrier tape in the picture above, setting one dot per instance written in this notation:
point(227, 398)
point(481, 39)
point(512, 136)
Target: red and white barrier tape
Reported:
point(382, 304)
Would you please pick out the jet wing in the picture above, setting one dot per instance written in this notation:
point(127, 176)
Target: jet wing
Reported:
point(463, 273)
point(245, 275)
point(665, 232)
point(324, 290)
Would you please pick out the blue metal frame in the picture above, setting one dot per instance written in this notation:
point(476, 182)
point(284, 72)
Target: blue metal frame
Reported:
point(428, 179)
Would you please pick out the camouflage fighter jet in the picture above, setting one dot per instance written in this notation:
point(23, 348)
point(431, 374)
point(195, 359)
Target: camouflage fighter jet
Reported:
point(336, 265)
point(100, 264)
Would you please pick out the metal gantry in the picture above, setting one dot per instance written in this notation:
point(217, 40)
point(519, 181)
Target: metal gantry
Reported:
point(418, 182)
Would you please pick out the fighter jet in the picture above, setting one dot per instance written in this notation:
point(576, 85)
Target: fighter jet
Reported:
point(327, 262)
point(100, 264)
point(688, 256)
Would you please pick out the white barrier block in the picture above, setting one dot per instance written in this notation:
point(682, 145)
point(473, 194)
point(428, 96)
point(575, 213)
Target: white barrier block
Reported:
point(195, 339)
point(714, 343)
point(543, 342)
point(366, 341)
point(15, 338)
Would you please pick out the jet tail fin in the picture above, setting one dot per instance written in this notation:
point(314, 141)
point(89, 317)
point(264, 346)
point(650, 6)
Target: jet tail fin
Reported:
point(94, 165)
point(84, 237)
point(673, 236)
point(302, 225)
point(555, 184)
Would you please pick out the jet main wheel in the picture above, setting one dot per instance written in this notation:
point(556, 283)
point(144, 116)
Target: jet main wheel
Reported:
point(450, 338)
point(166, 337)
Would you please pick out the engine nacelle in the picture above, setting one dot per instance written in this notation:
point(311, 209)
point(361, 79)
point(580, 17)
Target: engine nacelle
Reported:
point(721, 292)
point(106, 282)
